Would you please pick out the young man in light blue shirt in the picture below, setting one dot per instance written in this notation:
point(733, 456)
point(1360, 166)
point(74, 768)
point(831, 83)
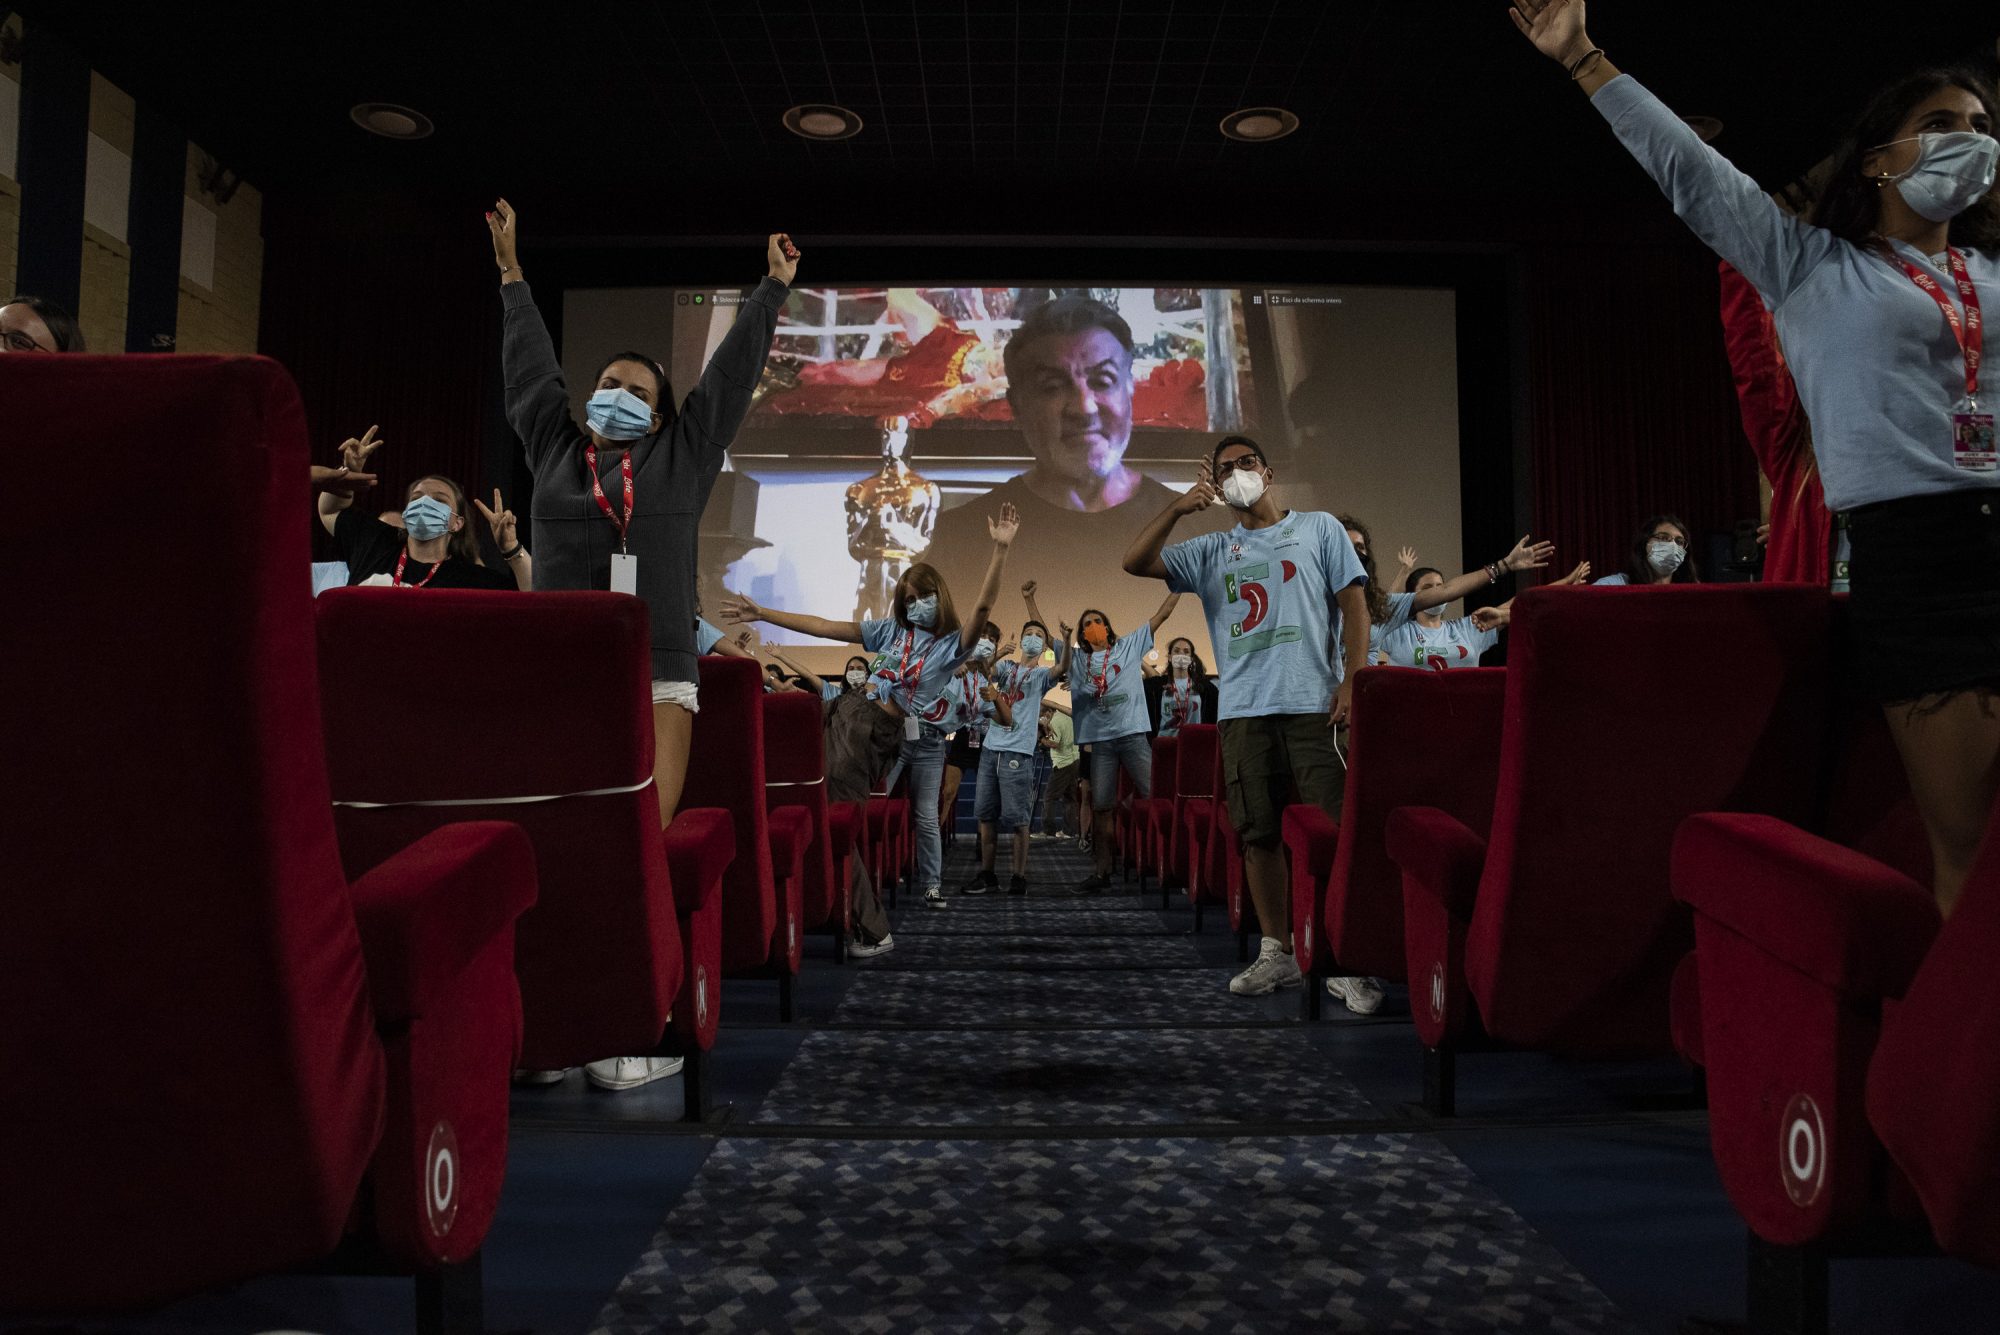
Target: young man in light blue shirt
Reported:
point(1287, 611)
point(1006, 791)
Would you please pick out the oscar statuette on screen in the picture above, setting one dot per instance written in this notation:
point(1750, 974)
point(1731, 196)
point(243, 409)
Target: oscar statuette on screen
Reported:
point(890, 516)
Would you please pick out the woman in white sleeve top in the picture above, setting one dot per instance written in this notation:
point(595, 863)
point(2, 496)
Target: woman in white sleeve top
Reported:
point(1877, 298)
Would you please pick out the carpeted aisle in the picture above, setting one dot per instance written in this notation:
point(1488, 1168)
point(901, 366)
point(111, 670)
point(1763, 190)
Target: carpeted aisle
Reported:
point(1048, 1114)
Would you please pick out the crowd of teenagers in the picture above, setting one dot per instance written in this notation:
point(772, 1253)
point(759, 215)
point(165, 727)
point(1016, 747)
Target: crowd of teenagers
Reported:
point(1856, 335)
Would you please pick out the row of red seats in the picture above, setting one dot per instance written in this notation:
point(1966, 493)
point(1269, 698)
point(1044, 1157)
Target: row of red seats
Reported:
point(271, 981)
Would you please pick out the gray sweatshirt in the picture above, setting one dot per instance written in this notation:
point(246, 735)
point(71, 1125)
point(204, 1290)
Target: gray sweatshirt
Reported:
point(672, 472)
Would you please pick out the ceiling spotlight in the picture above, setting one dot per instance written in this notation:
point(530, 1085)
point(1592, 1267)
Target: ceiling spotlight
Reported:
point(1707, 127)
point(822, 120)
point(1258, 125)
point(391, 121)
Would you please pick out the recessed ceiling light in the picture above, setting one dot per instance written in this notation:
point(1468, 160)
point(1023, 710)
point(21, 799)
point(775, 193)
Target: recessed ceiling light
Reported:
point(391, 121)
point(1708, 127)
point(822, 120)
point(1257, 125)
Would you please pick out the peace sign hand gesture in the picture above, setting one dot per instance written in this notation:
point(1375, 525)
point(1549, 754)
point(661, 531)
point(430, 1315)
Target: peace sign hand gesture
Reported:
point(354, 453)
point(501, 520)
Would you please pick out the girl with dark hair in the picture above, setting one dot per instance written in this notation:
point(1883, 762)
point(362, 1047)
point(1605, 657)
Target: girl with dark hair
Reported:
point(1182, 694)
point(617, 502)
point(1388, 611)
point(967, 726)
point(29, 324)
point(1107, 693)
point(1660, 554)
point(1877, 299)
point(434, 548)
point(917, 650)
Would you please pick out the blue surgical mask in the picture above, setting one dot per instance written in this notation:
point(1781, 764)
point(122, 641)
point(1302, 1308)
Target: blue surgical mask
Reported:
point(1032, 646)
point(426, 517)
point(922, 611)
point(1952, 173)
point(983, 649)
point(618, 414)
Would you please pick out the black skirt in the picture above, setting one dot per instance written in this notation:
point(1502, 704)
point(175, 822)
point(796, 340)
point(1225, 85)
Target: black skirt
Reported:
point(1924, 609)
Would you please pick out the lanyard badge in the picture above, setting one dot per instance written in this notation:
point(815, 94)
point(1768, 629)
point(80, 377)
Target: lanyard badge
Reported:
point(1973, 445)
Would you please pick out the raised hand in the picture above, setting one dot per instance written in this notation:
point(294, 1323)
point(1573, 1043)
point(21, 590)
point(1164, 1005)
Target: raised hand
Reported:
point(737, 610)
point(749, 641)
point(1491, 618)
point(989, 692)
point(1005, 651)
point(784, 257)
point(342, 481)
point(501, 223)
point(1527, 555)
point(1068, 632)
point(1578, 575)
point(1028, 591)
point(499, 519)
point(1006, 526)
point(354, 453)
point(1201, 495)
point(1408, 557)
point(1556, 27)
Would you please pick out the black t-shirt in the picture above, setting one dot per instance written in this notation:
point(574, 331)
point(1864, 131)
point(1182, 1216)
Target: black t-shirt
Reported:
point(370, 548)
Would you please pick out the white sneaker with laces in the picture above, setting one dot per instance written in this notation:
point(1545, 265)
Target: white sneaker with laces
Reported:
point(934, 898)
point(1363, 996)
point(1274, 968)
point(862, 950)
point(630, 1072)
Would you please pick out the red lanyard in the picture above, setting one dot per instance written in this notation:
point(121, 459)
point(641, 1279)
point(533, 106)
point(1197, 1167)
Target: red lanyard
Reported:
point(1098, 677)
point(971, 711)
point(1969, 331)
point(597, 491)
point(903, 673)
point(403, 559)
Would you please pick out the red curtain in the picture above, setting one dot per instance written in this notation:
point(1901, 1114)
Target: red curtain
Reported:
point(396, 327)
point(1633, 409)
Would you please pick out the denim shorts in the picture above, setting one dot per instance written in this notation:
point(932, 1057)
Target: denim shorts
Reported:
point(1006, 790)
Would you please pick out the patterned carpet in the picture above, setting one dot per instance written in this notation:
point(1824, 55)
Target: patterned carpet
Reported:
point(1075, 1163)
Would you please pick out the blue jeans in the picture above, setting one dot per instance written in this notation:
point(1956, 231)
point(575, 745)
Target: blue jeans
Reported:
point(924, 758)
point(1132, 752)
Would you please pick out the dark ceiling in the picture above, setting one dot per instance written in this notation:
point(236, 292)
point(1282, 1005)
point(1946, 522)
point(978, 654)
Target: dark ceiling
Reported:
point(1082, 119)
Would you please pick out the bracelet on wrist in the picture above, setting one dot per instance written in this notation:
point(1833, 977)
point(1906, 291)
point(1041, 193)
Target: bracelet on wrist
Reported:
point(520, 549)
point(1576, 66)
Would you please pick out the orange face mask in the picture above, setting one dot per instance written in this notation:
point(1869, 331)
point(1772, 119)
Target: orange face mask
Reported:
point(1095, 635)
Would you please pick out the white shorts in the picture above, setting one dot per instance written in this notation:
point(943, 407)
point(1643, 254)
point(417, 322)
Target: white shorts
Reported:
point(680, 693)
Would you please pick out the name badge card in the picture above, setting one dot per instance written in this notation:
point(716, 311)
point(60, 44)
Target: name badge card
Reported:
point(1973, 445)
point(624, 573)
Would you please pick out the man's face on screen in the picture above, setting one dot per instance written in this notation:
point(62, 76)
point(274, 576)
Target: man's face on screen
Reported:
point(1073, 399)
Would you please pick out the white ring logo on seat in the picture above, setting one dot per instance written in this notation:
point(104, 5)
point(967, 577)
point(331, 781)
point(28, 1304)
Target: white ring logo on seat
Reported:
point(1802, 1150)
point(441, 1180)
point(701, 996)
point(1437, 991)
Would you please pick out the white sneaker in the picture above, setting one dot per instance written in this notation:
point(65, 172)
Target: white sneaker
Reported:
point(934, 898)
point(1274, 968)
point(630, 1072)
point(1363, 996)
point(527, 1077)
point(861, 950)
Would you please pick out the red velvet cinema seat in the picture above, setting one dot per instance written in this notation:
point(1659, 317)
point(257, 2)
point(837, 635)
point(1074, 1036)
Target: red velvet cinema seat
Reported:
point(304, 1069)
point(617, 942)
point(1626, 711)
point(1416, 738)
point(1153, 817)
point(1194, 809)
point(726, 769)
point(795, 795)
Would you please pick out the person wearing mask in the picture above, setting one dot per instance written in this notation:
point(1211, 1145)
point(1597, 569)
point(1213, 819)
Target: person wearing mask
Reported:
point(1182, 694)
point(916, 651)
point(1428, 640)
point(1107, 691)
point(968, 726)
point(1877, 297)
point(434, 548)
point(1388, 610)
point(861, 743)
point(1280, 590)
point(1658, 555)
point(1005, 796)
point(29, 324)
point(1060, 803)
point(617, 504)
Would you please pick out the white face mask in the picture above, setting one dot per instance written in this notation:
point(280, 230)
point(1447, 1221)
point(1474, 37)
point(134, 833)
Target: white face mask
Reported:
point(1664, 557)
point(1432, 611)
point(856, 676)
point(983, 649)
point(1952, 173)
point(1242, 489)
point(1182, 662)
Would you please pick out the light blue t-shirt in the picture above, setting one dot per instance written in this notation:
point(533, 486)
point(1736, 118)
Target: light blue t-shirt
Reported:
point(328, 575)
point(1455, 644)
point(1877, 367)
point(1611, 580)
point(706, 636)
point(913, 667)
point(1024, 687)
point(1269, 594)
point(1107, 688)
point(965, 707)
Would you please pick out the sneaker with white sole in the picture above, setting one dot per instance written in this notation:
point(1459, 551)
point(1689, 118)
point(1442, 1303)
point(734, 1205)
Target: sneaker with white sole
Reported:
point(1274, 968)
point(865, 950)
point(630, 1072)
point(934, 898)
point(527, 1077)
point(1363, 996)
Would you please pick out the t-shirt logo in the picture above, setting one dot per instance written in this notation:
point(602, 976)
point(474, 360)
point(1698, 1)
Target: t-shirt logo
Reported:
point(1251, 586)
